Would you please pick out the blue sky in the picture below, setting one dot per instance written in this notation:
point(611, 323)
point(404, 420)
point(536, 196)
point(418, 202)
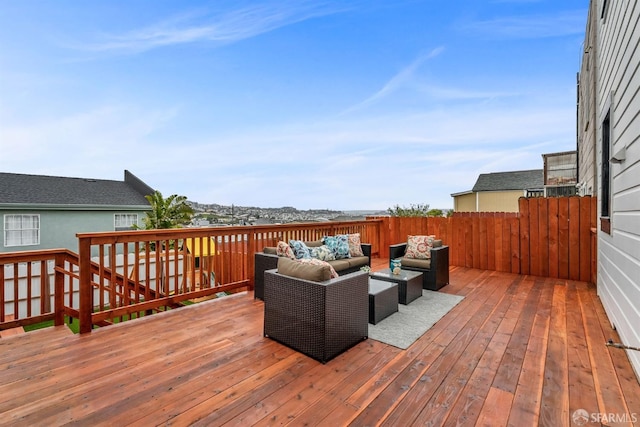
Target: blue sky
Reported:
point(312, 104)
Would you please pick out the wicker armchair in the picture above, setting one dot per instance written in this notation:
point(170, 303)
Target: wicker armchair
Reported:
point(436, 275)
point(319, 319)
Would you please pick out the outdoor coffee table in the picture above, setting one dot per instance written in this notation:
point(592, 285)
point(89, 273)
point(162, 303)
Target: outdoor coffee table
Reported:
point(383, 299)
point(409, 283)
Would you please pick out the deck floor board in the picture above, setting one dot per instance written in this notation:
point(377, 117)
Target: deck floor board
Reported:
point(518, 350)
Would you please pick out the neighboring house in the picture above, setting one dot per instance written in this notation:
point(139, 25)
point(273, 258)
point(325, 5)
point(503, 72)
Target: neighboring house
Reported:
point(609, 157)
point(560, 174)
point(499, 191)
point(46, 212)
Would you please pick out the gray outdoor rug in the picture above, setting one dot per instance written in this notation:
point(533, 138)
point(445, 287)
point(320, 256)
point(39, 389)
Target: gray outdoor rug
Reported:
point(401, 329)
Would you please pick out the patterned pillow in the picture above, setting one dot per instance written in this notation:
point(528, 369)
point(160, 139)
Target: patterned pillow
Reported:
point(314, 261)
point(322, 253)
point(419, 247)
point(285, 250)
point(300, 250)
point(338, 245)
point(354, 244)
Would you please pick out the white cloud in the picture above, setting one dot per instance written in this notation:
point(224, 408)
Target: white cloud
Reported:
point(529, 27)
point(341, 162)
point(226, 27)
point(402, 78)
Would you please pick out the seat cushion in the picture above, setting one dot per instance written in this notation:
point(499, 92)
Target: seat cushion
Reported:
point(417, 263)
point(313, 243)
point(340, 264)
point(307, 269)
point(270, 250)
point(358, 261)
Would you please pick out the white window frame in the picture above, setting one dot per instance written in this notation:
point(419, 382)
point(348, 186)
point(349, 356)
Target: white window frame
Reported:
point(27, 236)
point(131, 219)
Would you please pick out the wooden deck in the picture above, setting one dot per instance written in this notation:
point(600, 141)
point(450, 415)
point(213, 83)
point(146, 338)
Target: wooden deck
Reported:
point(518, 350)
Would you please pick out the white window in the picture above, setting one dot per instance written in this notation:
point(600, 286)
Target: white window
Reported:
point(21, 230)
point(125, 221)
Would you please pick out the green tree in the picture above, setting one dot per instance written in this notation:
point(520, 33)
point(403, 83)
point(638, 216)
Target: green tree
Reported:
point(412, 210)
point(172, 212)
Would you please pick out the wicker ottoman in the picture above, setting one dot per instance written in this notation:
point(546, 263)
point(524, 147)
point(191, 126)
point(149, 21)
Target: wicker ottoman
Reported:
point(383, 300)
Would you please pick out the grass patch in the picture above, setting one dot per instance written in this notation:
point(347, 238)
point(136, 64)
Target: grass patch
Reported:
point(71, 324)
point(74, 325)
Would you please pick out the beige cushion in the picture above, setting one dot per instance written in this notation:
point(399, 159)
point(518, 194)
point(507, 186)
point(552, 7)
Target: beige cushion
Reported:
point(358, 261)
point(340, 264)
point(304, 270)
point(314, 243)
point(418, 263)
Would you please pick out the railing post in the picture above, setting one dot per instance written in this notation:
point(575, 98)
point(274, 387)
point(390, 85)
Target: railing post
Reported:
point(251, 268)
point(58, 283)
point(86, 290)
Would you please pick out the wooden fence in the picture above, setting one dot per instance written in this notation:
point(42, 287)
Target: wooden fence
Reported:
point(550, 237)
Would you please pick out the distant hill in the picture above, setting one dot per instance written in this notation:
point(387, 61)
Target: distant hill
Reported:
point(366, 213)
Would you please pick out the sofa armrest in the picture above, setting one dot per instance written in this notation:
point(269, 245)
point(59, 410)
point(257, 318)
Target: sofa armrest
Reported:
point(440, 266)
point(366, 251)
point(397, 251)
point(263, 262)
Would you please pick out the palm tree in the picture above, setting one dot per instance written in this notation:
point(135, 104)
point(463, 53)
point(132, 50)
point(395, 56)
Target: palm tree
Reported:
point(172, 212)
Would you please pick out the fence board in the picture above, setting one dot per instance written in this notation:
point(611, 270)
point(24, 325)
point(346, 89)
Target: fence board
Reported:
point(553, 237)
point(515, 245)
point(525, 237)
point(491, 244)
point(585, 240)
point(499, 250)
point(574, 238)
point(475, 236)
point(563, 237)
point(543, 230)
point(468, 242)
point(483, 238)
point(534, 230)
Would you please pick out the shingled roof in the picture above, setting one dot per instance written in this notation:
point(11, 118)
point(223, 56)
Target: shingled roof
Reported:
point(505, 181)
point(56, 190)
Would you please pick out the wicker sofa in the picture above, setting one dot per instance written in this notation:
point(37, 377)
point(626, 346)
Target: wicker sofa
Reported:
point(435, 271)
point(268, 260)
point(319, 319)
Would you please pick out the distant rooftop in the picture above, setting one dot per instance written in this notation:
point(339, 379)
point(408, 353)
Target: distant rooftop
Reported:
point(55, 190)
point(505, 181)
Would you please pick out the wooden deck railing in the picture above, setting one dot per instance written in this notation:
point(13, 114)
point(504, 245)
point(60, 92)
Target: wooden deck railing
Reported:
point(120, 275)
point(35, 286)
point(164, 268)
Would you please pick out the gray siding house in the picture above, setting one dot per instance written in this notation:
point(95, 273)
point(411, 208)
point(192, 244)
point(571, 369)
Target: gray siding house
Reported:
point(46, 212)
point(609, 157)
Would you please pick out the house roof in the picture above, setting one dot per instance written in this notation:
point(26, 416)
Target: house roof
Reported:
point(505, 181)
point(56, 190)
